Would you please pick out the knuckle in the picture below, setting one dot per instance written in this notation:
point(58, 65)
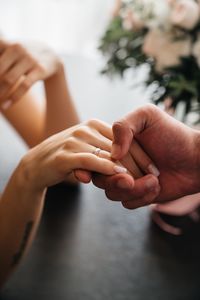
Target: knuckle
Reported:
point(15, 97)
point(70, 143)
point(127, 205)
point(26, 84)
point(80, 132)
point(59, 162)
point(93, 123)
point(84, 162)
point(151, 106)
point(40, 69)
point(148, 199)
point(30, 61)
point(9, 79)
point(59, 158)
point(120, 125)
point(110, 195)
point(149, 109)
point(17, 48)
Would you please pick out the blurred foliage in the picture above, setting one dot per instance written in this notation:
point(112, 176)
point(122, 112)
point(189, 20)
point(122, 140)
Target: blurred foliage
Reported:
point(123, 50)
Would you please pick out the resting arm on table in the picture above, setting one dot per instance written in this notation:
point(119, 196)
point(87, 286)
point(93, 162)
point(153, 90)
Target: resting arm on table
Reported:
point(45, 165)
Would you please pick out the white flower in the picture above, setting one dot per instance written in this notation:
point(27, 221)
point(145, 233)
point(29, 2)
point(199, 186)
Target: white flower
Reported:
point(153, 13)
point(165, 49)
point(185, 13)
point(196, 50)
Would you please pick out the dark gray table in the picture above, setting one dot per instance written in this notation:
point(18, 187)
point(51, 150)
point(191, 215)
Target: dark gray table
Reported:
point(88, 248)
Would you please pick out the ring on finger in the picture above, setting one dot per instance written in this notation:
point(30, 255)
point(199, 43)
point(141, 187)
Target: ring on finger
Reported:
point(96, 151)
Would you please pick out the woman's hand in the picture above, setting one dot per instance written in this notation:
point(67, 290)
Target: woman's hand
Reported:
point(57, 157)
point(21, 66)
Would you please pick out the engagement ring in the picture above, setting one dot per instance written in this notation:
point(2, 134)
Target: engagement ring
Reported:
point(97, 151)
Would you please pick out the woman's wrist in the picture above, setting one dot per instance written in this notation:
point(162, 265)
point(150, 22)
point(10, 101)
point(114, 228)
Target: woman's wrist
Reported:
point(27, 177)
point(59, 71)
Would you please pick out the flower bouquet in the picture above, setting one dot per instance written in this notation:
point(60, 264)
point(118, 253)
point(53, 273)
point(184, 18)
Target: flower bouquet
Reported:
point(164, 35)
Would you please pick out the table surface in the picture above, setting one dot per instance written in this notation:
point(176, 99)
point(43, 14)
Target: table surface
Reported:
point(90, 248)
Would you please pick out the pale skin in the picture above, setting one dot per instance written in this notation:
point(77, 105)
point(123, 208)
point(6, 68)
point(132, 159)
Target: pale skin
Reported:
point(20, 67)
point(51, 160)
point(45, 165)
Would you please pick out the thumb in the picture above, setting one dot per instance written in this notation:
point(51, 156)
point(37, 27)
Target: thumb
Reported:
point(83, 176)
point(122, 139)
point(125, 129)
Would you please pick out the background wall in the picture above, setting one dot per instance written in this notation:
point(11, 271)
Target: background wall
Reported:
point(66, 25)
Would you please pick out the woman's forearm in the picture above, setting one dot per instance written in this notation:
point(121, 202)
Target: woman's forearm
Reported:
point(43, 166)
point(60, 109)
point(56, 113)
point(20, 212)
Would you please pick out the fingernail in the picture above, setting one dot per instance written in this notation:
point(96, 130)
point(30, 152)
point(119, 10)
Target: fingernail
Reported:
point(123, 184)
point(116, 150)
point(153, 170)
point(150, 184)
point(119, 169)
point(6, 104)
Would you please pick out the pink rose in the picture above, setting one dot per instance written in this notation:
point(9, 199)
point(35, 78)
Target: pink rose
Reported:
point(116, 8)
point(185, 13)
point(132, 21)
point(165, 49)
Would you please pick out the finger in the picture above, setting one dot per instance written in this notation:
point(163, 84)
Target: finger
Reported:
point(22, 67)
point(179, 207)
point(144, 191)
point(86, 176)
point(8, 58)
point(145, 185)
point(126, 129)
point(83, 176)
point(129, 162)
point(164, 225)
point(110, 182)
point(103, 128)
point(92, 136)
point(90, 162)
point(146, 200)
point(122, 139)
point(13, 78)
point(3, 89)
point(6, 100)
point(142, 160)
point(3, 44)
point(25, 85)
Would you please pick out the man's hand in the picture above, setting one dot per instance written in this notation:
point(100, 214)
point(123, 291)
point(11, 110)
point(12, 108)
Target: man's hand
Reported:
point(171, 145)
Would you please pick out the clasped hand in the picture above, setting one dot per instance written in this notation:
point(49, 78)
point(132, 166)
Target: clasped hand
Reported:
point(21, 66)
point(172, 146)
point(160, 154)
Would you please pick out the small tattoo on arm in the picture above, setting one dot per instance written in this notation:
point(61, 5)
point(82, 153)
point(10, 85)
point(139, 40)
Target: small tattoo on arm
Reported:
point(17, 256)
